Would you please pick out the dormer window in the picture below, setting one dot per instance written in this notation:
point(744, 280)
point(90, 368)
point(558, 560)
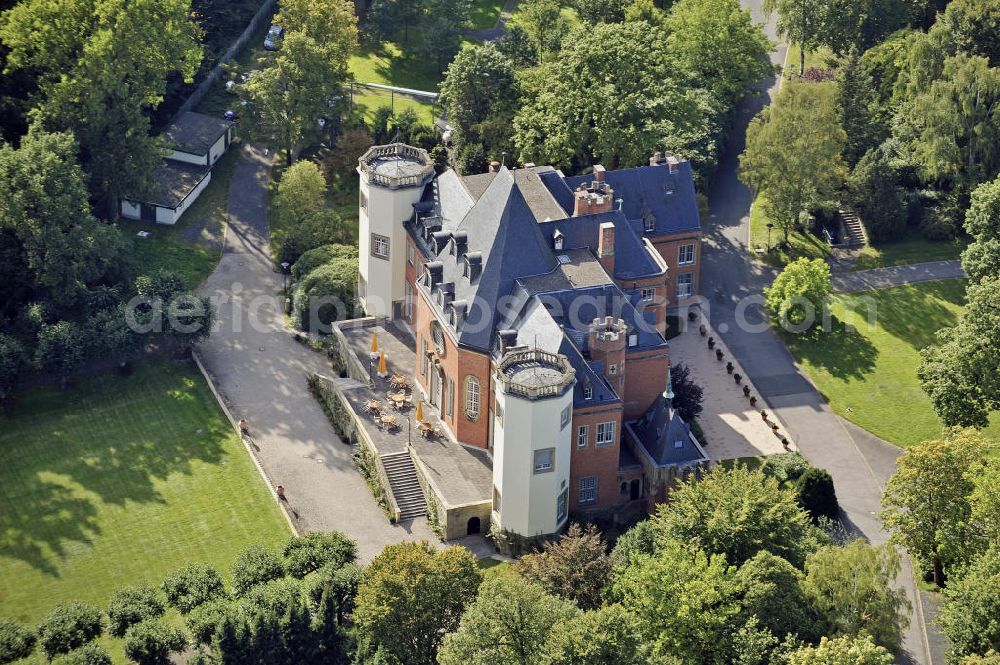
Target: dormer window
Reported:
point(588, 391)
point(558, 240)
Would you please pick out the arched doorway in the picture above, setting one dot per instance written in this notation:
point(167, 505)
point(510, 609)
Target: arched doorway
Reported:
point(473, 526)
point(633, 493)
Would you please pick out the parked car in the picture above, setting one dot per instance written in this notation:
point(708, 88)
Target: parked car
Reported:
point(274, 36)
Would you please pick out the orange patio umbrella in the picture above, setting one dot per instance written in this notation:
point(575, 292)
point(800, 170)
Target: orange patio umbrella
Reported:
point(420, 411)
point(374, 348)
point(383, 369)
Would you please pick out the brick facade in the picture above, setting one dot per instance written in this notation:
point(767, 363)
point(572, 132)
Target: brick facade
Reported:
point(669, 247)
point(596, 461)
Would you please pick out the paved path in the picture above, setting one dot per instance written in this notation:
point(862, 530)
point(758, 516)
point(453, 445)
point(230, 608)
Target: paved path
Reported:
point(825, 439)
point(884, 278)
point(260, 370)
point(496, 32)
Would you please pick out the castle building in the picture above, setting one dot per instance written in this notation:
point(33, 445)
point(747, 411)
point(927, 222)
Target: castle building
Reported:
point(538, 304)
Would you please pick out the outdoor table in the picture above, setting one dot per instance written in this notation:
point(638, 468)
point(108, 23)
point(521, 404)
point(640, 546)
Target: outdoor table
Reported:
point(373, 406)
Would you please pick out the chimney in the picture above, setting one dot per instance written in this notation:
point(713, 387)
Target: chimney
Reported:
point(657, 159)
point(506, 338)
point(606, 247)
point(606, 343)
point(494, 166)
point(594, 198)
point(599, 171)
point(673, 162)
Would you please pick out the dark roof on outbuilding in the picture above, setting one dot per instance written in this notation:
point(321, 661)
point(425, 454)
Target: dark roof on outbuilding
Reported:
point(173, 182)
point(195, 133)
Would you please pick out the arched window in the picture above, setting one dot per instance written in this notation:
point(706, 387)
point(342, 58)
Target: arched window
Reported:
point(472, 397)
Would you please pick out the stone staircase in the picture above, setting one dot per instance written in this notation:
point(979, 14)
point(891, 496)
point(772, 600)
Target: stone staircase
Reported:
point(856, 236)
point(404, 485)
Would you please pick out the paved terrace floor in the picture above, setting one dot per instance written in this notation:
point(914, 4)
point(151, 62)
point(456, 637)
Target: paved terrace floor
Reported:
point(732, 427)
point(463, 474)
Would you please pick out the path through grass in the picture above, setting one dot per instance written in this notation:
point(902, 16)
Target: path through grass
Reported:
point(869, 375)
point(119, 481)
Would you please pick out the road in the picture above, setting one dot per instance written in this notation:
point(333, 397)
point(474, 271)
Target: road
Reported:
point(858, 462)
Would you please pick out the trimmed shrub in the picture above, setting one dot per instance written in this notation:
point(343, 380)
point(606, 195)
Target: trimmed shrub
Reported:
point(785, 467)
point(89, 654)
point(16, 641)
point(255, 565)
point(69, 626)
point(130, 605)
point(330, 290)
point(192, 585)
point(304, 554)
point(817, 494)
point(320, 227)
point(318, 256)
point(151, 642)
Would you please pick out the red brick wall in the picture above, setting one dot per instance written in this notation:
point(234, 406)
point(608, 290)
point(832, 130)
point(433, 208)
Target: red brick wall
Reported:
point(593, 460)
point(662, 296)
point(645, 378)
point(669, 247)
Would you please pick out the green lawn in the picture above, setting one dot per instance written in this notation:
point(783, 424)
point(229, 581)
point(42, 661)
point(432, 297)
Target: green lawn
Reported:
point(911, 249)
point(120, 481)
point(869, 375)
point(192, 246)
point(799, 244)
point(820, 58)
point(484, 14)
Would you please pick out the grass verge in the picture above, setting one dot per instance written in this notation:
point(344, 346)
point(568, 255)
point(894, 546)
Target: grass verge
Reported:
point(869, 374)
point(121, 481)
point(800, 245)
point(911, 249)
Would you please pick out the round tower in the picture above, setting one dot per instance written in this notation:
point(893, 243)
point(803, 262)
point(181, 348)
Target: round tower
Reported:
point(392, 179)
point(606, 342)
point(532, 442)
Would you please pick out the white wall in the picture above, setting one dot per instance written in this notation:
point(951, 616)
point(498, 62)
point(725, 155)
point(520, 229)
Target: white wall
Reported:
point(217, 150)
point(187, 158)
point(528, 500)
point(387, 210)
point(186, 203)
point(131, 210)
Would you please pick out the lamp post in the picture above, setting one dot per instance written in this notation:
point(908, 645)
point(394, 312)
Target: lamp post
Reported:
point(285, 265)
point(769, 227)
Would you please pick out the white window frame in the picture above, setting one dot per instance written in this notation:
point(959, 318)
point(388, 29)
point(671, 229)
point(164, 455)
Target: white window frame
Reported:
point(409, 253)
point(648, 293)
point(564, 417)
point(473, 397)
point(685, 284)
point(587, 490)
point(588, 392)
point(450, 396)
point(582, 436)
point(378, 242)
point(685, 250)
point(544, 468)
point(612, 369)
point(605, 433)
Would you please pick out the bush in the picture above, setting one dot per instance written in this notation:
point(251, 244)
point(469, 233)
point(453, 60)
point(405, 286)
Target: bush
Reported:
point(785, 467)
point(816, 493)
point(13, 361)
point(193, 585)
point(938, 225)
point(322, 226)
point(316, 257)
point(89, 654)
point(688, 395)
point(334, 282)
point(151, 642)
point(341, 582)
point(69, 626)
point(16, 641)
point(205, 619)
point(130, 605)
point(60, 348)
point(874, 194)
point(305, 554)
point(255, 565)
point(802, 286)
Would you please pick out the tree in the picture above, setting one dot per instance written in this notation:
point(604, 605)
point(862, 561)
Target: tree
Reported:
point(509, 622)
point(688, 395)
point(100, 78)
point(974, 28)
point(855, 99)
point(682, 602)
point(88, 654)
point(926, 501)
point(518, 46)
point(874, 194)
point(326, 294)
point(341, 584)
point(442, 22)
point(799, 293)
point(952, 128)
point(308, 553)
point(204, 621)
point(192, 585)
point(301, 191)
point(326, 625)
point(858, 650)
point(544, 23)
point(738, 512)
point(727, 66)
point(385, 18)
point(793, 153)
point(799, 21)
point(163, 305)
point(349, 148)
point(411, 595)
point(959, 373)
point(969, 615)
point(330, 23)
point(601, 11)
point(255, 565)
point(985, 501)
point(151, 642)
point(632, 106)
point(69, 626)
point(294, 91)
point(13, 361)
point(593, 638)
point(770, 591)
point(851, 587)
point(16, 641)
point(131, 604)
point(575, 567)
point(981, 259)
point(817, 494)
point(314, 258)
point(59, 348)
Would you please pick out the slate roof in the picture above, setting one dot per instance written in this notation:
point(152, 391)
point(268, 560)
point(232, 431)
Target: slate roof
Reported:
point(633, 260)
point(174, 181)
point(665, 436)
point(644, 190)
point(195, 133)
point(502, 230)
